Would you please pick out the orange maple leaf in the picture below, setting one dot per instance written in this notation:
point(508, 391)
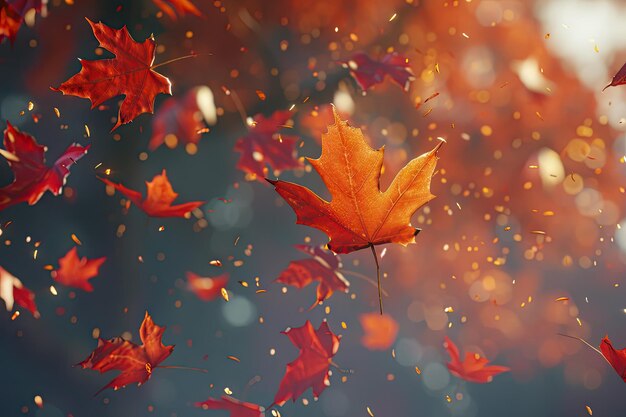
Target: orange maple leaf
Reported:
point(159, 198)
point(360, 215)
point(76, 272)
point(474, 368)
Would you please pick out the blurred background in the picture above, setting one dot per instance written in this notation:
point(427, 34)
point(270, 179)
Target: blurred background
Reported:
point(530, 198)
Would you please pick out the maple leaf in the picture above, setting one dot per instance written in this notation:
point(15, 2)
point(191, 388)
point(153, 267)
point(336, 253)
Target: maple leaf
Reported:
point(33, 178)
point(183, 118)
point(474, 368)
point(235, 407)
point(360, 214)
point(76, 272)
point(616, 358)
point(159, 198)
point(10, 22)
point(380, 331)
point(12, 14)
point(206, 289)
point(136, 362)
point(263, 146)
point(131, 73)
point(12, 292)
point(310, 369)
point(175, 8)
point(618, 79)
point(323, 268)
point(368, 72)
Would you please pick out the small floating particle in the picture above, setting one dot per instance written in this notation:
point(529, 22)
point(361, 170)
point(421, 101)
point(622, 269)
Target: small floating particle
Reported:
point(224, 294)
point(53, 290)
point(215, 262)
point(233, 358)
point(369, 411)
point(562, 299)
point(76, 240)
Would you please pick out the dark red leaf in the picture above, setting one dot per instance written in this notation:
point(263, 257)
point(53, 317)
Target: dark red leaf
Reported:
point(235, 407)
point(618, 79)
point(323, 268)
point(136, 362)
point(32, 177)
point(12, 291)
point(183, 118)
point(368, 72)
point(264, 145)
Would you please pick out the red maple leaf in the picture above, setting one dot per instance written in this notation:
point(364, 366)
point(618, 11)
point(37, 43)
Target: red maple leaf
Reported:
point(616, 358)
point(206, 288)
point(235, 407)
point(175, 8)
point(368, 72)
point(76, 272)
point(618, 79)
point(474, 368)
point(323, 268)
point(159, 198)
point(12, 291)
point(131, 73)
point(310, 369)
point(12, 14)
point(380, 331)
point(264, 145)
point(183, 118)
point(135, 362)
point(32, 177)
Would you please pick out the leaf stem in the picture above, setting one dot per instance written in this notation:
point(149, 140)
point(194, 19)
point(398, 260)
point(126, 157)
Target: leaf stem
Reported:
point(588, 344)
point(187, 368)
point(341, 370)
point(380, 289)
point(363, 277)
point(194, 55)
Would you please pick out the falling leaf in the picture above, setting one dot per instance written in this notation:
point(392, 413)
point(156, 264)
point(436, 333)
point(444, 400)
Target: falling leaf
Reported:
point(380, 331)
point(310, 369)
point(130, 74)
point(32, 178)
point(136, 362)
point(206, 288)
point(261, 147)
point(323, 268)
point(235, 407)
point(176, 8)
point(12, 292)
point(618, 79)
point(12, 13)
point(368, 72)
point(76, 272)
point(159, 198)
point(360, 214)
point(617, 358)
point(474, 368)
point(183, 118)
